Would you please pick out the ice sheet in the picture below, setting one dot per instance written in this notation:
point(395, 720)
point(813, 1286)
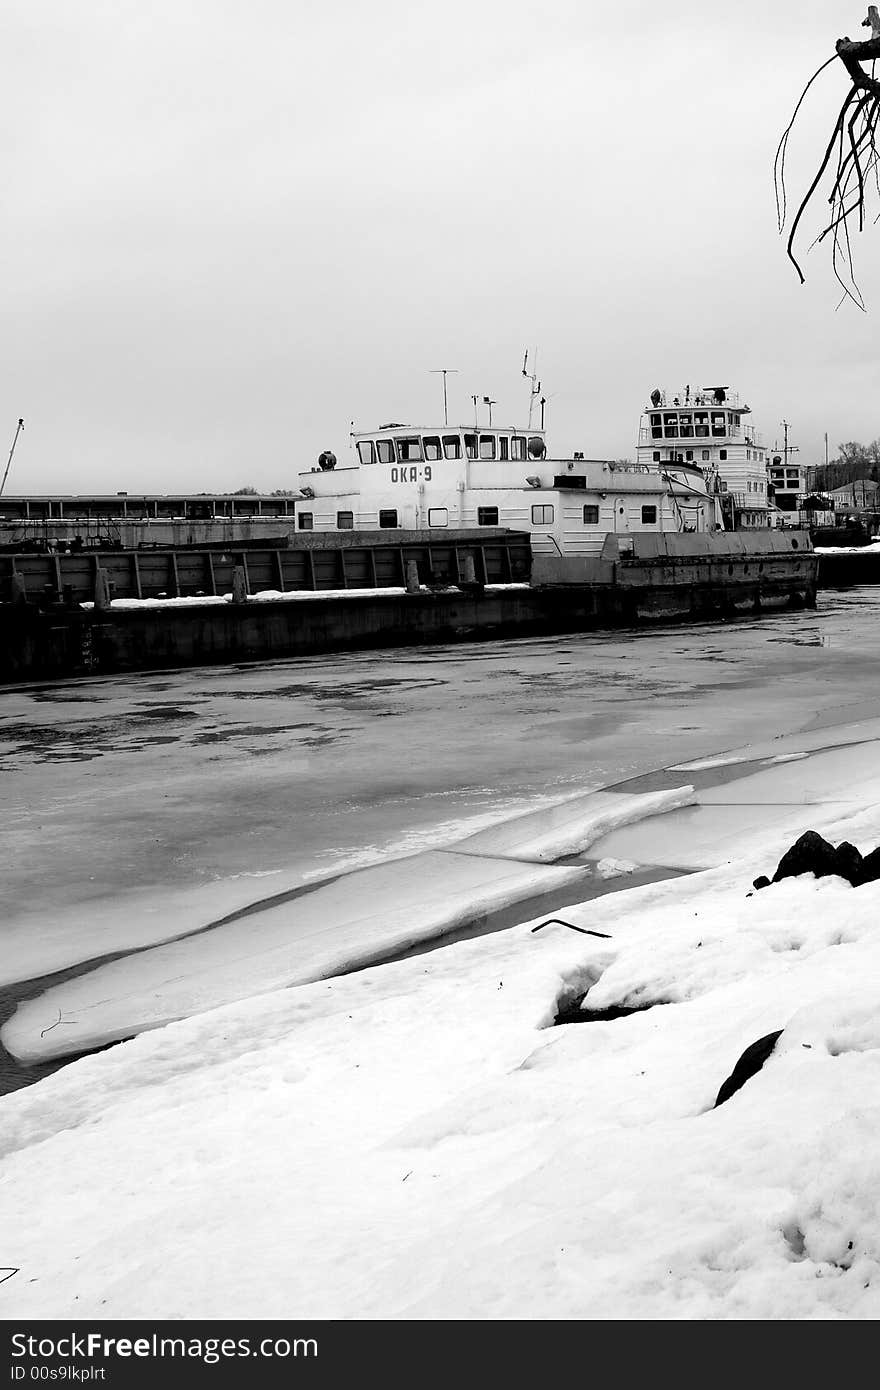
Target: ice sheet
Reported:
point(332, 928)
point(357, 917)
point(572, 826)
point(786, 797)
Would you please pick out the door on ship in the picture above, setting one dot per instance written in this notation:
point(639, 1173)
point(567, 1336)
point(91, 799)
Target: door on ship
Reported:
point(621, 516)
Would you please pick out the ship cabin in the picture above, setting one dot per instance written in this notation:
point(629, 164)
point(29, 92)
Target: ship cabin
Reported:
point(708, 428)
point(417, 478)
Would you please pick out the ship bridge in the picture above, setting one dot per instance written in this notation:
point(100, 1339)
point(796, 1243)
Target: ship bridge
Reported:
point(713, 414)
point(406, 444)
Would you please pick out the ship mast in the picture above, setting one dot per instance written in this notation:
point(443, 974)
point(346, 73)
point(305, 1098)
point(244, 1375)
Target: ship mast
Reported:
point(535, 389)
point(445, 372)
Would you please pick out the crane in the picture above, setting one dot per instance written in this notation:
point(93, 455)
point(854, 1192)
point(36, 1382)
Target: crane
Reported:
point(18, 429)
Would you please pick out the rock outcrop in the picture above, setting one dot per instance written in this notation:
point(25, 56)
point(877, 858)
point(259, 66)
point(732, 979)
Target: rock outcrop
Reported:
point(812, 854)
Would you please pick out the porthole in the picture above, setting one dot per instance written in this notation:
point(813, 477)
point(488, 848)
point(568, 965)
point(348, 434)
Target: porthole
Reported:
point(794, 545)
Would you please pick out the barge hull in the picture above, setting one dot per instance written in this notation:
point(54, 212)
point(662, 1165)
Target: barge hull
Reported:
point(40, 645)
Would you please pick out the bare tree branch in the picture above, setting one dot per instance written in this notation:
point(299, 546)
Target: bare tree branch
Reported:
point(851, 155)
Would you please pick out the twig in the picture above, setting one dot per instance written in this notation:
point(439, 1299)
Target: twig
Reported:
point(585, 931)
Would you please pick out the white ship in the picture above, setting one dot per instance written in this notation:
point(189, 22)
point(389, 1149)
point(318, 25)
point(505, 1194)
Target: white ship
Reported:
point(432, 477)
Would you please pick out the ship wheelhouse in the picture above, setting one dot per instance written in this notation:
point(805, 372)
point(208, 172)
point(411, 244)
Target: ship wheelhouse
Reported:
point(448, 445)
point(708, 430)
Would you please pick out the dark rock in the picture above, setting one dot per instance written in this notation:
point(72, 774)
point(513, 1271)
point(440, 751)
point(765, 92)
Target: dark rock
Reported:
point(870, 868)
point(749, 1063)
point(811, 854)
point(762, 881)
point(849, 862)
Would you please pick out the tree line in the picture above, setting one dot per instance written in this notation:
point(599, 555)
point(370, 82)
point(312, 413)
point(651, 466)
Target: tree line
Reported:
point(854, 461)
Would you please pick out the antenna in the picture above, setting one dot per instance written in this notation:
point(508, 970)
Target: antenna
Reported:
point(788, 448)
point(489, 403)
point(18, 430)
point(535, 389)
point(444, 372)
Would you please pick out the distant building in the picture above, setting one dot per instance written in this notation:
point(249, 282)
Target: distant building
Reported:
point(857, 496)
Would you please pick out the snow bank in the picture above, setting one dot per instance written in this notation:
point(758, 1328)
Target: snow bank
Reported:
point(415, 1141)
point(871, 549)
point(281, 596)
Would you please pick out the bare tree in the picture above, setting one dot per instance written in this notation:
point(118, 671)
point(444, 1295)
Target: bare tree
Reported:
point(850, 158)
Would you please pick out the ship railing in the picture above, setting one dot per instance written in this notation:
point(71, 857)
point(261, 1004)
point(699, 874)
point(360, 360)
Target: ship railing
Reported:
point(672, 400)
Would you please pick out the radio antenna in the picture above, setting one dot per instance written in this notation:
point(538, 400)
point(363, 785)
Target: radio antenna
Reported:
point(535, 387)
point(444, 372)
point(18, 430)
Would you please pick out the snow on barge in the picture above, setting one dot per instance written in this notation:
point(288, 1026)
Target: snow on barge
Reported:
point(432, 534)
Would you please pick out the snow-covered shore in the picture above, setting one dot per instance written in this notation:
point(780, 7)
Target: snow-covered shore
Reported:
point(417, 1140)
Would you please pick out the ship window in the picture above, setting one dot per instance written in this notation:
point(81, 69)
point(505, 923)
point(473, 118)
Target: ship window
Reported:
point(452, 446)
point(542, 516)
point(503, 447)
point(649, 516)
point(385, 450)
point(517, 448)
point(388, 519)
point(409, 450)
point(591, 514)
point(366, 451)
point(689, 455)
point(487, 446)
point(438, 516)
point(722, 454)
point(656, 432)
point(305, 521)
point(686, 426)
point(705, 455)
point(655, 421)
point(701, 424)
point(718, 426)
point(670, 426)
point(432, 447)
point(470, 446)
point(487, 516)
point(345, 521)
point(656, 455)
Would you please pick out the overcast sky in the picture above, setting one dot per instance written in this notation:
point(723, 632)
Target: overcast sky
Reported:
point(232, 227)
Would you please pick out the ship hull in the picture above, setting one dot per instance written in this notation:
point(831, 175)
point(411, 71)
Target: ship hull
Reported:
point(699, 578)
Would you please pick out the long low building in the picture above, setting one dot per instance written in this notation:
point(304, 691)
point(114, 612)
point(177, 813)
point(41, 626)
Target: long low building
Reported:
point(124, 506)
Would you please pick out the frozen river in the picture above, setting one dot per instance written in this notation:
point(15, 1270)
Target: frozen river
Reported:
point(148, 807)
